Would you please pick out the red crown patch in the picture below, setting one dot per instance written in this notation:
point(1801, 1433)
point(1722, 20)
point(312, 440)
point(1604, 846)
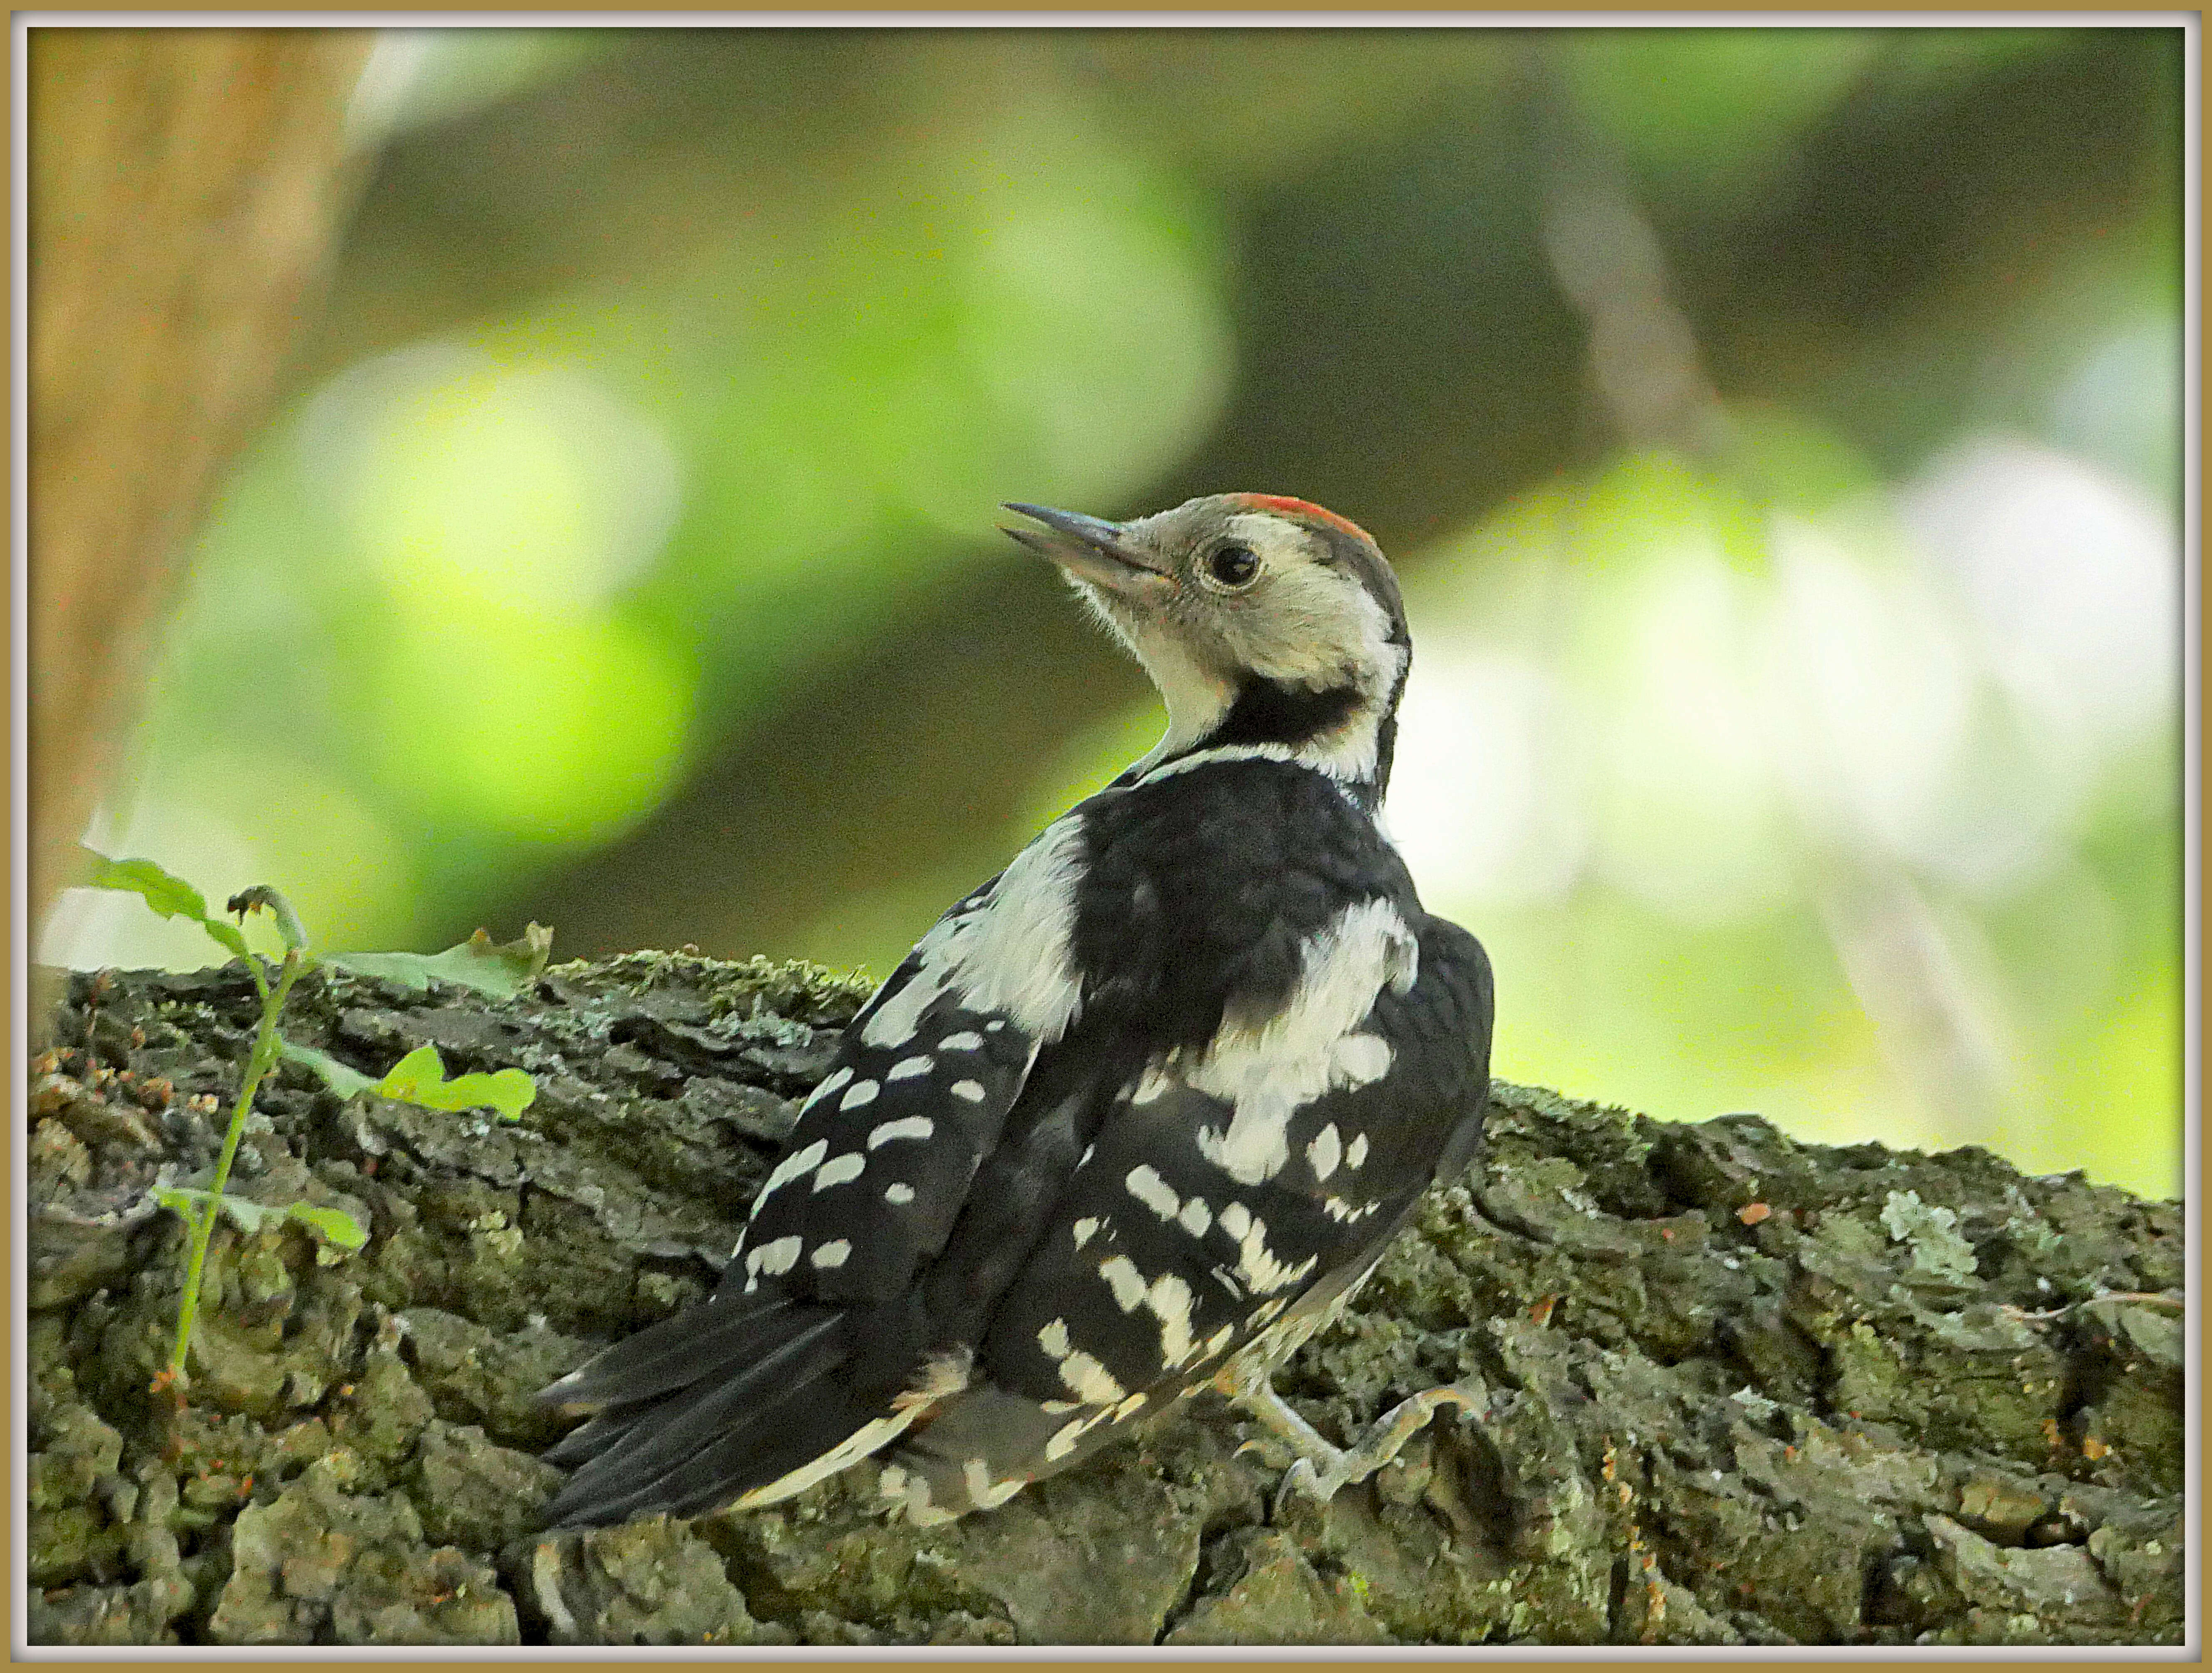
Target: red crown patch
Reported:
point(1293, 508)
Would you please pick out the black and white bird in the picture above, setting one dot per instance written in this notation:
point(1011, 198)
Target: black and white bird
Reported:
point(1134, 1119)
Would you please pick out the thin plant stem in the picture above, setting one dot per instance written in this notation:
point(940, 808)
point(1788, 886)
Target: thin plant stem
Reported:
point(267, 1048)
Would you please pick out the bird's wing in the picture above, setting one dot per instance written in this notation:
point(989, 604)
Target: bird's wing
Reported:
point(789, 1371)
point(1227, 1192)
point(881, 1161)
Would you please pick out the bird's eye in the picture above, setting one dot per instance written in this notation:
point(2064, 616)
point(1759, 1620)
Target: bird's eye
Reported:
point(1233, 566)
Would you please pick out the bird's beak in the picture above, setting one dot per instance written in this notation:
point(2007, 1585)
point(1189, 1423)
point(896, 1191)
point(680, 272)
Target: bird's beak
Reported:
point(1093, 549)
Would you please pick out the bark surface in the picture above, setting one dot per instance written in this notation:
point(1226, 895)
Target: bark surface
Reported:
point(1740, 1389)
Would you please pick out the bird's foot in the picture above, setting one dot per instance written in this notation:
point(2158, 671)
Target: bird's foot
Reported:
point(1320, 1470)
point(1323, 1477)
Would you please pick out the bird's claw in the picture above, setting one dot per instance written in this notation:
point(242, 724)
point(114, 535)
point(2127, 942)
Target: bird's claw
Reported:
point(1266, 1448)
point(1303, 1478)
point(1379, 1446)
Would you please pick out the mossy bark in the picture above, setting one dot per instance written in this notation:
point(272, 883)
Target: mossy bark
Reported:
point(1739, 1389)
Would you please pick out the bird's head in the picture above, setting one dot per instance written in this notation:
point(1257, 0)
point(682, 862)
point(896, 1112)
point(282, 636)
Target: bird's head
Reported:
point(1264, 620)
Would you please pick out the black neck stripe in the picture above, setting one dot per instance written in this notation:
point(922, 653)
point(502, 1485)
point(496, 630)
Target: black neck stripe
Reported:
point(1267, 711)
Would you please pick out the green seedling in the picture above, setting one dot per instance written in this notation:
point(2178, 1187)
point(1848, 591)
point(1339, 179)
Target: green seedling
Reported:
point(496, 970)
point(418, 1078)
point(333, 1225)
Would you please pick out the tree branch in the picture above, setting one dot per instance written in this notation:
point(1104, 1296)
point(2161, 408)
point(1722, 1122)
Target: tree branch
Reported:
point(1739, 1389)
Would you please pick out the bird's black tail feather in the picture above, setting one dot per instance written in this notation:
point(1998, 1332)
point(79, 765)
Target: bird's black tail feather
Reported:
point(702, 1408)
point(676, 1353)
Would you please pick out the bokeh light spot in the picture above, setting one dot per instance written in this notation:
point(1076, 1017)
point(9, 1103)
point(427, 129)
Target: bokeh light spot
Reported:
point(547, 729)
point(458, 475)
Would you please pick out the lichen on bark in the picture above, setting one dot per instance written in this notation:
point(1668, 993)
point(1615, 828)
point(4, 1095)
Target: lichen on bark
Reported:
point(1740, 1389)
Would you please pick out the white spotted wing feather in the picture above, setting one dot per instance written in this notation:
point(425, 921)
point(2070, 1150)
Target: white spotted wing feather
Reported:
point(878, 1169)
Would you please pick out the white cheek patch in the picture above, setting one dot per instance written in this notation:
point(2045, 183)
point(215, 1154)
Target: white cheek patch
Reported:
point(1322, 628)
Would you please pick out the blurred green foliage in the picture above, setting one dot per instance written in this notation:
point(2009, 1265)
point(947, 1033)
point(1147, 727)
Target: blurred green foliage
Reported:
point(1779, 431)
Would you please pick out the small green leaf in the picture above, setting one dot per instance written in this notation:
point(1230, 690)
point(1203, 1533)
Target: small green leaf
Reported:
point(340, 1078)
point(333, 1225)
point(420, 1078)
point(190, 1201)
point(498, 970)
point(166, 893)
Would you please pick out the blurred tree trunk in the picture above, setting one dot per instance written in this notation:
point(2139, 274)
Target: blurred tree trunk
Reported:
point(184, 185)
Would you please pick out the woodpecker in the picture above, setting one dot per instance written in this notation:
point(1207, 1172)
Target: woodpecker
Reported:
point(1134, 1118)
